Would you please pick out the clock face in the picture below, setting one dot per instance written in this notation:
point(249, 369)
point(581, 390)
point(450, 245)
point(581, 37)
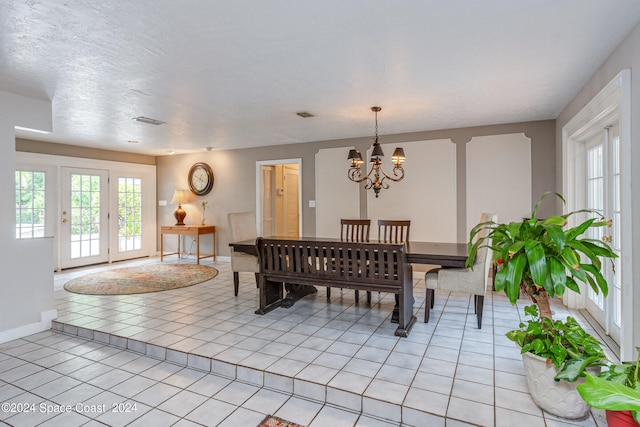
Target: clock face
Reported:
point(200, 179)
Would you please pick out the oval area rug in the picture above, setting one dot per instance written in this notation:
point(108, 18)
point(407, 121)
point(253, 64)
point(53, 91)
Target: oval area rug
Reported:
point(141, 279)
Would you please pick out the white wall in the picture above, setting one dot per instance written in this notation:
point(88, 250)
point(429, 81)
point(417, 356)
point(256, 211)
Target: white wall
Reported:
point(26, 289)
point(426, 195)
point(501, 187)
point(336, 196)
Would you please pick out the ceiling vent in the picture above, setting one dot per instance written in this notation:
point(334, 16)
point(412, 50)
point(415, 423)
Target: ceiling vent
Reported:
point(149, 121)
point(305, 114)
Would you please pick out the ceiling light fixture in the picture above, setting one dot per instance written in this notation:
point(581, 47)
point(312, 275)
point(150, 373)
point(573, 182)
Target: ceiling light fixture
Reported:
point(377, 182)
point(305, 114)
point(147, 120)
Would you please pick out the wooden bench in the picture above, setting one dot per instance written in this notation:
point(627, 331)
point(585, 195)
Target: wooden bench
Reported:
point(375, 267)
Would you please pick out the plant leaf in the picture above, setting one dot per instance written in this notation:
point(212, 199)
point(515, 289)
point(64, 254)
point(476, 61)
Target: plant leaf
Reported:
point(602, 394)
point(512, 276)
point(576, 231)
point(558, 275)
point(537, 262)
point(557, 236)
point(600, 280)
point(575, 368)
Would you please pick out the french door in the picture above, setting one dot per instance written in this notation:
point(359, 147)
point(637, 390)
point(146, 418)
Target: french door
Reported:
point(602, 191)
point(84, 217)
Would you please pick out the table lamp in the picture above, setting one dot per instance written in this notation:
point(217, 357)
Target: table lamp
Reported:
point(179, 197)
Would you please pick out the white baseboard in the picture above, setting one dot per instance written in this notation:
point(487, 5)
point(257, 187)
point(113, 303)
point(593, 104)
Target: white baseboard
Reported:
point(22, 331)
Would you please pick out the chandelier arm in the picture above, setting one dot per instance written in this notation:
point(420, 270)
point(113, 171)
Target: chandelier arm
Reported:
point(396, 177)
point(355, 175)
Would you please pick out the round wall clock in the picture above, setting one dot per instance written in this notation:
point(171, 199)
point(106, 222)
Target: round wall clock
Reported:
point(200, 179)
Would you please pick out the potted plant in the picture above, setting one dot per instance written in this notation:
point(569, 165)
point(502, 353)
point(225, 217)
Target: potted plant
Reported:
point(543, 258)
point(555, 350)
point(616, 390)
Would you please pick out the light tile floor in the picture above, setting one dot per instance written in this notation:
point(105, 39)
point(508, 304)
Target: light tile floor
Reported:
point(200, 356)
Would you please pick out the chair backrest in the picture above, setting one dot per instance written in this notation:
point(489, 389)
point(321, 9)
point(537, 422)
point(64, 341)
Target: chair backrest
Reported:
point(355, 230)
point(483, 257)
point(393, 231)
point(242, 226)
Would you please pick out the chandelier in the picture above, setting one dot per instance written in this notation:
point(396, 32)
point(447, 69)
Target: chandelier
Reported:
point(376, 177)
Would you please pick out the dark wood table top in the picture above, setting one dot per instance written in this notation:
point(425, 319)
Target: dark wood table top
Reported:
point(437, 253)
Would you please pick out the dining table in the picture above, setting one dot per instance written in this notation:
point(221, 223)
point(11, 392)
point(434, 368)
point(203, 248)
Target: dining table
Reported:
point(444, 254)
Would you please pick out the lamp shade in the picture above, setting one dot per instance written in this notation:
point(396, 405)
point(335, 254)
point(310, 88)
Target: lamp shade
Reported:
point(377, 151)
point(354, 155)
point(398, 156)
point(179, 197)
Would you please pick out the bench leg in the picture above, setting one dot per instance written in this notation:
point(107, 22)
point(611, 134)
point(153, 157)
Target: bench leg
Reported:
point(328, 292)
point(357, 295)
point(406, 319)
point(271, 294)
point(395, 316)
point(295, 292)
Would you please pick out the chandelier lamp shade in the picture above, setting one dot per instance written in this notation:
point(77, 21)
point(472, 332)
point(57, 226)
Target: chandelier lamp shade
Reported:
point(376, 177)
point(179, 197)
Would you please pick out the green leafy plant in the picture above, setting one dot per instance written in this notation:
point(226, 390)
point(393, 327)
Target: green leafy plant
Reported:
point(543, 257)
point(564, 343)
point(615, 389)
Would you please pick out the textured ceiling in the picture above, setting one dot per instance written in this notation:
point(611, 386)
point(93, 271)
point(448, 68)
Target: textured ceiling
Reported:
point(233, 73)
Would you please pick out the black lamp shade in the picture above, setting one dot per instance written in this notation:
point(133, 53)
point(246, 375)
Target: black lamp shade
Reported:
point(398, 155)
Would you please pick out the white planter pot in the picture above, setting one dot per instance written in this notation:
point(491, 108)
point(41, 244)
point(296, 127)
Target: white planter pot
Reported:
point(558, 398)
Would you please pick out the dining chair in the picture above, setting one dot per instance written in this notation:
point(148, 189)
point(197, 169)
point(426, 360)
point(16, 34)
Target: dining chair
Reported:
point(392, 231)
point(469, 280)
point(243, 227)
point(354, 230)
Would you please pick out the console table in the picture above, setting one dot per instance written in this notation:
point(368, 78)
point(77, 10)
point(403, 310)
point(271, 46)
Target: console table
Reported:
point(189, 230)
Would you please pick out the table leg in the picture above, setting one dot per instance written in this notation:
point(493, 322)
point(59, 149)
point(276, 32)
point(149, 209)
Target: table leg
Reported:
point(179, 254)
point(197, 248)
point(161, 250)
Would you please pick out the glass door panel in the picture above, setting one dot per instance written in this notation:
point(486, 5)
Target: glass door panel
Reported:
point(603, 196)
point(84, 217)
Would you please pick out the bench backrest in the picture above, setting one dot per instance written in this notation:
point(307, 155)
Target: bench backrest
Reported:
point(357, 262)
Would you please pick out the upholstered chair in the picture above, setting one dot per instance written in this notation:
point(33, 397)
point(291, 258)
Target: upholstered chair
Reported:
point(243, 227)
point(473, 281)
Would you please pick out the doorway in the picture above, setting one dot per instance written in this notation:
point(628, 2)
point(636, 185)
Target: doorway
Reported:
point(84, 228)
point(602, 195)
point(278, 188)
point(596, 152)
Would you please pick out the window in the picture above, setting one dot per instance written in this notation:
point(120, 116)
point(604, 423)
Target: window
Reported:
point(129, 214)
point(30, 204)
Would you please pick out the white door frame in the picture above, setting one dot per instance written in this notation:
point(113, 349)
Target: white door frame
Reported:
point(65, 233)
point(259, 165)
point(613, 100)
